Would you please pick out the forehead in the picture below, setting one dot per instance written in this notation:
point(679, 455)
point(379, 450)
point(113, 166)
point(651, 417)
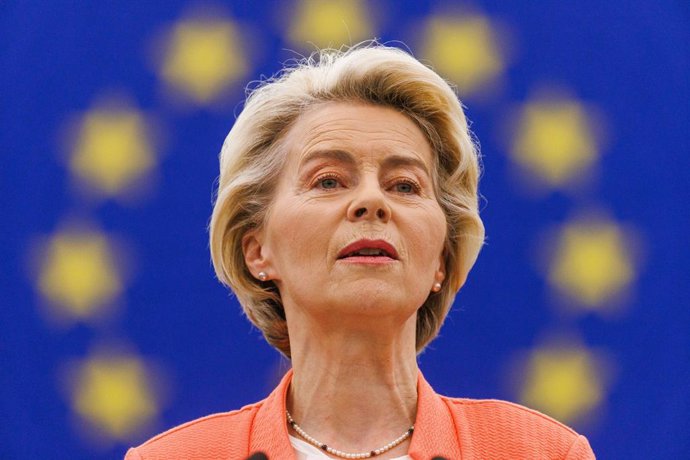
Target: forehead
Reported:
point(363, 130)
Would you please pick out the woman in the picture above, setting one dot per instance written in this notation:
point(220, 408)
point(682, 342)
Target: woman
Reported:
point(346, 221)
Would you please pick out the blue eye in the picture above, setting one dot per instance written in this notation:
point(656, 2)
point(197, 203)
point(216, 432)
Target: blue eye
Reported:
point(329, 183)
point(404, 187)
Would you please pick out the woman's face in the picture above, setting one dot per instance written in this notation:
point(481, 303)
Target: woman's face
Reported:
point(354, 227)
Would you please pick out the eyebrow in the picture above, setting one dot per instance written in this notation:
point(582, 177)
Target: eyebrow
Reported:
point(396, 161)
point(392, 161)
point(338, 155)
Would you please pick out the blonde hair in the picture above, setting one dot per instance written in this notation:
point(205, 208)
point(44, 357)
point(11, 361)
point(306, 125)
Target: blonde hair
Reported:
point(252, 158)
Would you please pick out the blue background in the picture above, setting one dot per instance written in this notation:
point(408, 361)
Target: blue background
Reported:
point(630, 59)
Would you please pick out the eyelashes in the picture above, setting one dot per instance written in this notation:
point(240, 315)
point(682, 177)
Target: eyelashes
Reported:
point(400, 185)
point(328, 181)
point(406, 186)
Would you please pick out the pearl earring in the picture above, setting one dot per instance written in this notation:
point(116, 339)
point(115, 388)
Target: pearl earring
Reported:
point(263, 276)
point(437, 287)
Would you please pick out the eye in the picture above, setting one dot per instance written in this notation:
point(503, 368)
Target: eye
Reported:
point(328, 182)
point(406, 186)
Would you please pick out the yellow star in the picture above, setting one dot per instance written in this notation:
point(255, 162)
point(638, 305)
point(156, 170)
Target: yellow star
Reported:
point(554, 141)
point(563, 382)
point(465, 50)
point(78, 274)
point(329, 23)
point(203, 58)
point(113, 149)
point(591, 263)
point(114, 394)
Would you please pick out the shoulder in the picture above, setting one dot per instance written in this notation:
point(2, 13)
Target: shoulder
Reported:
point(222, 435)
point(515, 429)
point(494, 412)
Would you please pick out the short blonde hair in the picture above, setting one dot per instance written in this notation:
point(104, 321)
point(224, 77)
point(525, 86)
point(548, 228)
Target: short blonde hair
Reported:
point(252, 158)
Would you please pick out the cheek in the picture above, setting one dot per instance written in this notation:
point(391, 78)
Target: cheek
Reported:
point(297, 236)
point(428, 233)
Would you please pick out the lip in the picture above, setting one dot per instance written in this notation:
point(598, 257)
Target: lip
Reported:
point(369, 244)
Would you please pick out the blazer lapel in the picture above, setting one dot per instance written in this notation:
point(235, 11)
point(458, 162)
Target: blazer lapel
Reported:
point(434, 434)
point(434, 429)
point(269, 433)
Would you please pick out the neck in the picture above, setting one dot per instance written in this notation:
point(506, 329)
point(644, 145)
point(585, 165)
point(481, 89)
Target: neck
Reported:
point(354, 389)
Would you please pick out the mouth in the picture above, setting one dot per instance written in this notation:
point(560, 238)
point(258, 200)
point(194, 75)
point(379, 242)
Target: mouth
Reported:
point(368, 251)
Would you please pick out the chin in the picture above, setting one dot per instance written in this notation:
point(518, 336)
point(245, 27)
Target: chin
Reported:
point(374, 297)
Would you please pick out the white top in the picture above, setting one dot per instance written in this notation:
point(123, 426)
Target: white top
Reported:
point(305, 451)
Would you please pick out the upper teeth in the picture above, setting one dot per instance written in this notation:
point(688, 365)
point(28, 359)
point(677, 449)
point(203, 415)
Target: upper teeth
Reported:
point(370, 252)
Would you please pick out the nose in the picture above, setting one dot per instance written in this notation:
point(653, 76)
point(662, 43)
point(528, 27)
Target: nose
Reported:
point(369, 203)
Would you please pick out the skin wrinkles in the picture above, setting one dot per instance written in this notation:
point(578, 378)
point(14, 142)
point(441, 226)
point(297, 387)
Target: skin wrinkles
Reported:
point(368, 143)
point(324, 133)
point(352, 326)
point(407, 166)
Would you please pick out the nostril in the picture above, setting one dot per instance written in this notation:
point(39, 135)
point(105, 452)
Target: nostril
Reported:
point(360, 212)
point(380, 213)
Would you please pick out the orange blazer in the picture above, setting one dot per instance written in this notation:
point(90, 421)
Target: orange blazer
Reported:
point(453, 428)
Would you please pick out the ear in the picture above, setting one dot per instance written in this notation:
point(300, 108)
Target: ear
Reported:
point(253, 251)
point(440, 274)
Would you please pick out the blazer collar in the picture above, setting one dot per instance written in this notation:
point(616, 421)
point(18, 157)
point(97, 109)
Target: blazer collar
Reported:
point(434, 433)
point(269, 433)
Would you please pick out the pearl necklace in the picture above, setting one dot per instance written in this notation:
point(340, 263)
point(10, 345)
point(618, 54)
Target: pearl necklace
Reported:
point(340, 453)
